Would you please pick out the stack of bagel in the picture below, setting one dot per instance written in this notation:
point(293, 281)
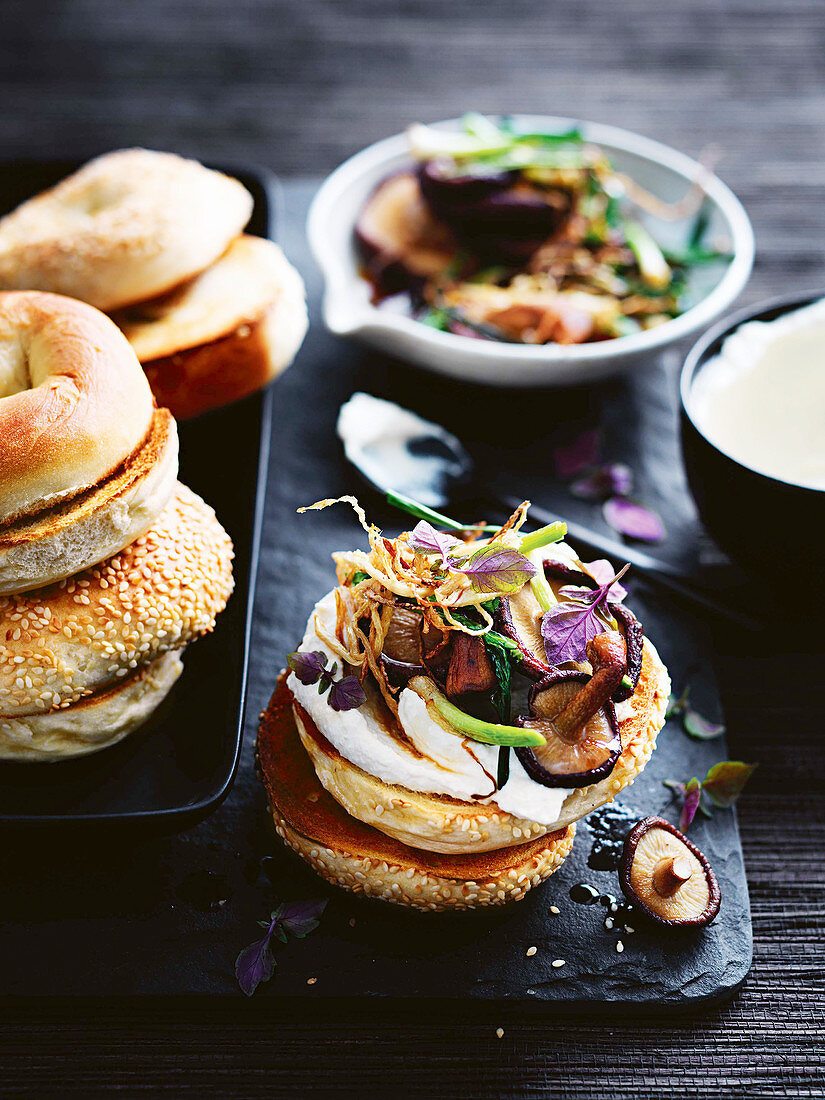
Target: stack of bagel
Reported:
point(157, 242)
point(109, 566)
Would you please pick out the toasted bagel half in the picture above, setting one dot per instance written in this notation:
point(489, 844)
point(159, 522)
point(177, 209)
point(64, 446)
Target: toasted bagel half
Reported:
point(60, 541)
point(350, 854)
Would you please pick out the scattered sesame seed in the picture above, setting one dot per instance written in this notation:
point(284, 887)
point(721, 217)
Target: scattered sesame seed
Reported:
point(554, 909)
point(311, 981)
point(500, 1032)
point(352, 922)
point(619, 946)
point(558, 962)
point(531, 950)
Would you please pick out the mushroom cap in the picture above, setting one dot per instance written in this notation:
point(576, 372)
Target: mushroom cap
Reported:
point(652, 848)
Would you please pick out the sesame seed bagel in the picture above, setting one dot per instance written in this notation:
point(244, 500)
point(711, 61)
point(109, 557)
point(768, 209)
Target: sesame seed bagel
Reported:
point(62, 643)
point(74, 403)
point(439, 823)
point(128, 226)
point(69, 537)
point(352, 855)
point(94, 723)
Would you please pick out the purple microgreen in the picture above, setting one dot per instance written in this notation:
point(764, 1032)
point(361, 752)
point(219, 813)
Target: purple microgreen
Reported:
point(633, 520)
point(308, 667)
point(676, 704)
point(256, 963)
point(427, 540)
point(578, 455)
point(693, 797)
point(726, 780)
point(612, 479)
point(700, 728)
point(299, 918)
point(603, 572)
point(570, 624)
point(496, 568)
point(346, 694)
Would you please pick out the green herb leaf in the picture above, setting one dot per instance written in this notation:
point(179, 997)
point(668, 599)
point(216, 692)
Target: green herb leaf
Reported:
point(726, 780)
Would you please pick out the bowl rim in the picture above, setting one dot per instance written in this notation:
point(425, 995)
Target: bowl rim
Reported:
point(335, 270)
point(698, 354)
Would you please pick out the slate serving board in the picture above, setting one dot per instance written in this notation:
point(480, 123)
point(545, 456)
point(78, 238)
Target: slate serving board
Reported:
point(168, 916)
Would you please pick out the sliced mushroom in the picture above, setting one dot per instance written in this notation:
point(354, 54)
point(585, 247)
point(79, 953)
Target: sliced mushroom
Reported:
point(667, 877)
point(519, 618)
point(471, 670)
point(578, 722)
point(401, 655)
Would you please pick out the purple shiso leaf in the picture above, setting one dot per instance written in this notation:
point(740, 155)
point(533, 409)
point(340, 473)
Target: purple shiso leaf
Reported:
point(675, 786)
point(726, 780)
point(346, 694)
point(700, 728)
point(496, 568)
point(603, 572)
point(633, 520)
point(693, 795)
point(568, 626)
point(613, 479)
point(300, 918)
point(566, 630)
point(308, 667)
point(255, 964)
point(578, 455)
point(427, 540)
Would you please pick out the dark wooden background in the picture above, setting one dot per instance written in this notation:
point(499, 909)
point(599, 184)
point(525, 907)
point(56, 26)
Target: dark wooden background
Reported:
point(298, 86)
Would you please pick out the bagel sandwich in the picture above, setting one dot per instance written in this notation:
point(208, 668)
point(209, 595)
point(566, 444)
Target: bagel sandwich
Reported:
point(445, 720)
point(85, 661)
point(87, 462)
point(223, 335)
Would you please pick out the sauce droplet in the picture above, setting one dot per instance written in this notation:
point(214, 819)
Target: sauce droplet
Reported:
point(584, 894)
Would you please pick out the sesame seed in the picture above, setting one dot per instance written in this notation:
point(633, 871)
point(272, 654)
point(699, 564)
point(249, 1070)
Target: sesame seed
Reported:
point(531, 951)
point(619, 946)
point(500, 1032)
point(311, 981)
point(558, 962)
point(554, 909)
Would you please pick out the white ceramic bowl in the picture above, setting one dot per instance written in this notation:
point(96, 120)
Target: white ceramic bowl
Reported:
point(661, 170)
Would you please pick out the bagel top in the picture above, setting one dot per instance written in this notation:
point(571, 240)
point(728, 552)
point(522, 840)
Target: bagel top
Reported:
point(251, 276)
point(74, 402)
point(127, 226)
point(64, 642)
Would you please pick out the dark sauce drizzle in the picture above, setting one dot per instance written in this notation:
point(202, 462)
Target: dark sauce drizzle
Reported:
point(609, 825)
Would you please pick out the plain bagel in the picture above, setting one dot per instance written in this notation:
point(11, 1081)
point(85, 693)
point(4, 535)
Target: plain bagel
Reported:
point(74, 639)
point(74, 403)
point(127, 226)
point(223, 335)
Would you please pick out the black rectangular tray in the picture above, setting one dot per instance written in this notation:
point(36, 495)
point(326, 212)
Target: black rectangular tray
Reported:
point(180, 766)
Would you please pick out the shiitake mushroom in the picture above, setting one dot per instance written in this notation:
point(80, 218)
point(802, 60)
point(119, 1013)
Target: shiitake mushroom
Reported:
point(579, 725)
point(519, 618)
point(667, 877)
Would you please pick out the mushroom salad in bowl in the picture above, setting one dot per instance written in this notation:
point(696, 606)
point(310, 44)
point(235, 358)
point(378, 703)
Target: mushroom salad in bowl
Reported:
point(457, 703)
point(526, 250)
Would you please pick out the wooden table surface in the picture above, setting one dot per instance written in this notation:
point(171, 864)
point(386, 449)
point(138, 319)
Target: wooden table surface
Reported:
point(299, 85)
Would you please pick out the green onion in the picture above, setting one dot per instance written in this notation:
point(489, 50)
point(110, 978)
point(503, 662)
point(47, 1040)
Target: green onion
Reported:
point(552, 532)
point(652, 265)
point(421, 511)
point(488, 733)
